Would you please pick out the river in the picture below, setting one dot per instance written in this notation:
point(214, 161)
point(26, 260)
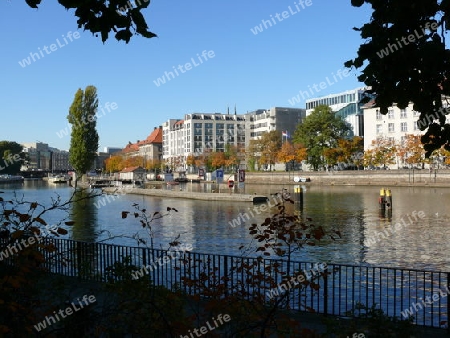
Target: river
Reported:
point(419, 242)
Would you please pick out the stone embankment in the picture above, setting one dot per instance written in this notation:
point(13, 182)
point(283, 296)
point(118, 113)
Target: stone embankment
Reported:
point(440, 178)
point(205, 196)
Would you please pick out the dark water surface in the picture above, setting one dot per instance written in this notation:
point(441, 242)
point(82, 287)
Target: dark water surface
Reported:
point(416, 242)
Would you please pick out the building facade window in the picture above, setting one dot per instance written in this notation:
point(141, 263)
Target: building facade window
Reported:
point(403, 114)
point(391, 127)
point(390, 113)
point(415, 125)
point(379, 128)
point(378, 114)
point(404, 126)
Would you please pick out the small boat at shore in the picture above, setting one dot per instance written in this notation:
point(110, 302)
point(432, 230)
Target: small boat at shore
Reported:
point(57, 179)
point(10, 179)
point(173, 183)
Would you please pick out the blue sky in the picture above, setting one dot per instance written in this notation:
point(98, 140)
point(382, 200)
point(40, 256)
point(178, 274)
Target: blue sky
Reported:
point(247, 70)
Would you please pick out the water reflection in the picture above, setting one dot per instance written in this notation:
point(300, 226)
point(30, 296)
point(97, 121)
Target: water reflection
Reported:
point(354, 211)
point(84, 214)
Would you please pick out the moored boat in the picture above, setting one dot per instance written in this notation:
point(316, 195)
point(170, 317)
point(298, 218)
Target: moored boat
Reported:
point(10, 178)
point(57, 179)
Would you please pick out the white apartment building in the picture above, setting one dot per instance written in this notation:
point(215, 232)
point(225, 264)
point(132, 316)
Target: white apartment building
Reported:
point(200, 132)
point(346, 104)
point(395, 125)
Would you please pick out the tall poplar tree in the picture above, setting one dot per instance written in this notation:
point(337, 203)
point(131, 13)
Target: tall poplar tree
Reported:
point(84, 136)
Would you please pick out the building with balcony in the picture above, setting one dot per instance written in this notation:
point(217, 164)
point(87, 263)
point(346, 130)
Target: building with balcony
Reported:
point(198, 133)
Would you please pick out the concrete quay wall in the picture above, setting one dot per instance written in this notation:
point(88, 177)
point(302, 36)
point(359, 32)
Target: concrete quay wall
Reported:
point(362, 177)
point(225, 196)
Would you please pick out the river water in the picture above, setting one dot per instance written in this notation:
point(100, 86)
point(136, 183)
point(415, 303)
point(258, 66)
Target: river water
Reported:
point(416, 235)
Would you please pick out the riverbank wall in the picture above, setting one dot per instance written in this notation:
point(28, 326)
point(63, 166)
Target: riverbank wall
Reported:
point(440, 178)
point(204, 196)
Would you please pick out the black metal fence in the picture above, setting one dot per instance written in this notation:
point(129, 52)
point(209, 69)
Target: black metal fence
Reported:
point(398, 292)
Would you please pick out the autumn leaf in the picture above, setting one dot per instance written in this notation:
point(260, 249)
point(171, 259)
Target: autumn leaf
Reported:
point(35, 230)
point(17, 234)
point(69, 223)
point(62, 231)
point(125, 214)
point(39, 220)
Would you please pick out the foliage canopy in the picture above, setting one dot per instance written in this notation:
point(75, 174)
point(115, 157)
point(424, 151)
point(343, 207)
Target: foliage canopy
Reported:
point(404, 59)
point(103, 17)
point(319, 131)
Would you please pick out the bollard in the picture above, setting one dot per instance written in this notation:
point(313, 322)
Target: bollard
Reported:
point(382, 199)
point(388, 199)
point(299, 195)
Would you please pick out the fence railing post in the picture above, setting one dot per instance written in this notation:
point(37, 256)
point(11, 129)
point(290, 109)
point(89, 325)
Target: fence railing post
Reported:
point(325, 291)
point(370, 283)
point(448, 303)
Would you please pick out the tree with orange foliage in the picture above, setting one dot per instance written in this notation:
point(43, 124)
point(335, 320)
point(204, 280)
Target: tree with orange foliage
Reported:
point(286, 154)
point(217, 159)
point(411, 150)
point(133, 161)
point(153, 164)
point(383, 152)
point(114, 163)
point(301, 152)
point(232, 156)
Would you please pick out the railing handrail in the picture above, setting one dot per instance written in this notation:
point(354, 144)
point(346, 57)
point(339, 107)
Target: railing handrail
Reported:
point(365, 265)
point(394, 290)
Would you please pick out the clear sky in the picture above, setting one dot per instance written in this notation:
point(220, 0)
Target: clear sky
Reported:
point(251, 71)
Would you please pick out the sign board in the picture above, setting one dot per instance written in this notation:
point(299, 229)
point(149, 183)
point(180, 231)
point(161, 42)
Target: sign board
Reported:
point(241, 175)
point(219, 175)
point(201, 172)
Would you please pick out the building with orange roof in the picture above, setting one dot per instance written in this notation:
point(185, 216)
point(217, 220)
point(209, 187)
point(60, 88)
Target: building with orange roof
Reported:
point(149, 149)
